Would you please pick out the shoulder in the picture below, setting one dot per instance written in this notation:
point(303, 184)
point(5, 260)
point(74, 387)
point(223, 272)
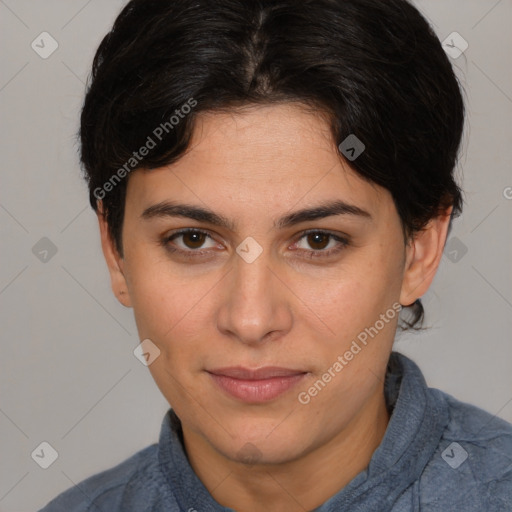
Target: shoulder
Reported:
point(139, 476)
point(471, 468)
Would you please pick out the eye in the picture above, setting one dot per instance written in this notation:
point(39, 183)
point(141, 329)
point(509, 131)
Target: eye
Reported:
point(323, 243)
point(192, 239)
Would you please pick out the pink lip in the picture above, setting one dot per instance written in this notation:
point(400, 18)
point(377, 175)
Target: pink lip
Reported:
point(256, 386)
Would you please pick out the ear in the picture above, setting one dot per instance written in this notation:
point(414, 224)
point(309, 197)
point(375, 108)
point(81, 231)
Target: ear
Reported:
point(423, 255)
point(114, 261)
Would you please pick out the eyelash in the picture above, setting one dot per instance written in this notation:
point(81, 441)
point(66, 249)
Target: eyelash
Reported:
point(322, 253)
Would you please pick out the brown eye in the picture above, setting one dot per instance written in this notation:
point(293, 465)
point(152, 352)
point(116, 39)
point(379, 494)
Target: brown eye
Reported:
point(321, 244)
point(318, 241)
point(193, 239)
point(188, 241)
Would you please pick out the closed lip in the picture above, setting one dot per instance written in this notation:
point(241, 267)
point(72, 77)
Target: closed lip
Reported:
point(267, 372)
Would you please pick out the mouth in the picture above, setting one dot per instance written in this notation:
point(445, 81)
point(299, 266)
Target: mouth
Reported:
point(256, 386)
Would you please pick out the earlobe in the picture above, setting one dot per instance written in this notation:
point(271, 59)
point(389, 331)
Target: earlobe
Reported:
point(423, 255)
point(114, 261)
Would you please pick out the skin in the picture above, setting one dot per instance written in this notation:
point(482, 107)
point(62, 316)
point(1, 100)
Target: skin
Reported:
point(285, 309)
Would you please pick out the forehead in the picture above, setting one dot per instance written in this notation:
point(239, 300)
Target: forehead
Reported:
point(260, 139)
point(259, 158)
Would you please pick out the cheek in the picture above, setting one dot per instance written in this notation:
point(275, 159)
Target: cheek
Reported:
point(156, 295)
point(163, 304)
point(172, 307)
point(344, 301)
point(169, 311)
point(338, 302)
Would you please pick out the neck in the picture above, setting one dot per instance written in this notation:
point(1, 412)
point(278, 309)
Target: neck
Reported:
point(302, 484)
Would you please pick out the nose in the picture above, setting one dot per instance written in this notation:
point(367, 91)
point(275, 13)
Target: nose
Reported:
point(254, 302)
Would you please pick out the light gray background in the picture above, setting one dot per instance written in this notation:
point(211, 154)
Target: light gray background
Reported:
point(68, 375)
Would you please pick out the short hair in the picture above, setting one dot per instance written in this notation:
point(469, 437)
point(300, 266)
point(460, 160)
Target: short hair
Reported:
point(375, 69)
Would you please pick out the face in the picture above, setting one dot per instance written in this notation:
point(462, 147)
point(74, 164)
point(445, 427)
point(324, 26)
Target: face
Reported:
point(266, 287)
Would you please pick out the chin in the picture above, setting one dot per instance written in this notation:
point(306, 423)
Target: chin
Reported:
point(261, 443)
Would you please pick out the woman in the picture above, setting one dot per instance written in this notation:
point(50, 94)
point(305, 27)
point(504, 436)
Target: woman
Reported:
point(274, 184)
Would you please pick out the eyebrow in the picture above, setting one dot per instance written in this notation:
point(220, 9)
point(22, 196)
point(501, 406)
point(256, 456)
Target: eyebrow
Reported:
point(200, 214)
